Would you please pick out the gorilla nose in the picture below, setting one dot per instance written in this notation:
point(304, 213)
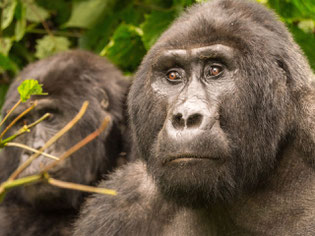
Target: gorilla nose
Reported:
point(180, 121)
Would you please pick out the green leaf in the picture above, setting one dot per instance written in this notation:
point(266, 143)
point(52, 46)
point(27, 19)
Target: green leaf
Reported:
point(286, 9)
point(308, 26)
point(263, 1)
point(49, 45)
point(131, 15)
point(7, 64)
point(306, 42)
point(307, 7)
point(35, 13)
point(8, 13)
point(85, 13)
point(20, 25)
point(5, 45)
point(99, 35)
point(125, 48)
point(61, 9)
point(154, 25)
point(185, 3)
point(28, 88)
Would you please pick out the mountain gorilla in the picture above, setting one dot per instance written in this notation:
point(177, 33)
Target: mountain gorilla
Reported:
point(69, 78)
point(222, 113)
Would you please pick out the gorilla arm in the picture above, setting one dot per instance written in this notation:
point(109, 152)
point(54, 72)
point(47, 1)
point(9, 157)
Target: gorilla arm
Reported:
point(136, 202)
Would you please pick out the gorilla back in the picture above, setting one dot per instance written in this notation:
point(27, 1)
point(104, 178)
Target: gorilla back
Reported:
point(222, 114)
point(69, 78)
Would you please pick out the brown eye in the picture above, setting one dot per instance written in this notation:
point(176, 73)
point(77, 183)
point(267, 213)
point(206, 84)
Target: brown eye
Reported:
point(215, 70)
point(173, 76)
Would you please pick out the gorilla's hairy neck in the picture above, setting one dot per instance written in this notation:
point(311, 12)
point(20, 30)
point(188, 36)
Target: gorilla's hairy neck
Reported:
point(288, 197)
point(284, 205)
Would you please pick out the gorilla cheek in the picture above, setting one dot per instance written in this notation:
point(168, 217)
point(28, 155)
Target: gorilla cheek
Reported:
point(147, 123)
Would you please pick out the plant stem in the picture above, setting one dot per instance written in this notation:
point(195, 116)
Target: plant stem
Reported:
point(18, 118)
point(79, 145)
point(80, 187)
point(11, 110)
point(23, 130)
point(50, 141)
point(11, 144)
point(18, 182)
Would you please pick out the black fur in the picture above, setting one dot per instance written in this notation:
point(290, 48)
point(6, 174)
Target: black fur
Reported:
point(226, 154)
point(69, 78)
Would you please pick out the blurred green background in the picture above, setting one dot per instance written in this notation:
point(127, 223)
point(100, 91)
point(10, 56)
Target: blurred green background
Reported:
point(121, 30)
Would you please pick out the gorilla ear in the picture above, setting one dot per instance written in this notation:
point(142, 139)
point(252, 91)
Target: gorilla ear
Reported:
point(102, 97)
point(285, 68)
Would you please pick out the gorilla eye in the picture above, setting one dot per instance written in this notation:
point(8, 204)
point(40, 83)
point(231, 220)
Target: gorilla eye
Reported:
point(173, 76)
point(50, 117)
point(52, 112)
point(214, 71)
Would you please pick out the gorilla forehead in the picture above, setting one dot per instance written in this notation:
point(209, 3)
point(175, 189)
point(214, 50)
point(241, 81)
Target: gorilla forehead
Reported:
point(218, 20)
point(216, 50)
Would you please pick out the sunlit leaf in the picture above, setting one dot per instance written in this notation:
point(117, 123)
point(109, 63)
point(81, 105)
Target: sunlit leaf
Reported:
point(307, 26)
point(35, 13)
point(6, 63)
point(20, 25)
point(125, 48)
point(28, 88)
point(85, 13)
point(8, 13)
point(5, 45)
point(49, 45)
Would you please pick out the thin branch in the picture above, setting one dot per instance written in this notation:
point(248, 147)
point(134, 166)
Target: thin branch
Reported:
point(56, 33)
point(18, 182)
point(11, 144)
point(11, 110)
point(79, 145)
point(80, 187)
point(24, 129)
point(51, 141)
point(43, 22)
point(18, 118)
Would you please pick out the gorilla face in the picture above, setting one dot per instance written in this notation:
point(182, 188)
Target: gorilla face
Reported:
point(69, 79)
point(211, 104)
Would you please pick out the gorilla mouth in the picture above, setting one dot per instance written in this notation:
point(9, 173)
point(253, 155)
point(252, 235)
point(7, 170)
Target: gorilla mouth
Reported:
point(188, 158)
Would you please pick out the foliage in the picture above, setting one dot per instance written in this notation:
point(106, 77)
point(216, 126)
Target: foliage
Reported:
point(121, 30)
point(28, 88)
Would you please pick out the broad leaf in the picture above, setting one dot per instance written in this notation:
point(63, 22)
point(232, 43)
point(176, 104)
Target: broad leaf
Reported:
point(20, 25)
point(5, 45)
point(35, 13)
point(8, 13)
point(154, 25)
point(28, 88)
point(7, 64)
point(125, 48)
point(49, 45)
point(85, 13)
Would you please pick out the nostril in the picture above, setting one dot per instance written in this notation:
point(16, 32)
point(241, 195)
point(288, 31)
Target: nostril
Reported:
point(194, 120)
point(178, 121)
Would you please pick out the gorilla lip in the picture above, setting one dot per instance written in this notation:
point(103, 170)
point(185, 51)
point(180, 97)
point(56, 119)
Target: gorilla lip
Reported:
point(188, 157)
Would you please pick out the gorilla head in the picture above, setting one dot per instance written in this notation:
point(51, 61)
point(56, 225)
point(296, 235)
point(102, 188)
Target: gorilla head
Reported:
point(69, 79)
point(215, 101)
